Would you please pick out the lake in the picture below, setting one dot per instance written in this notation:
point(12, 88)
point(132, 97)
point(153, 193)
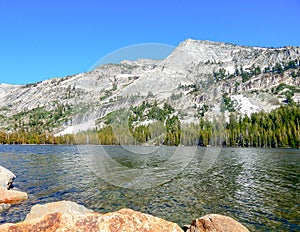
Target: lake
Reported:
point(258, 187)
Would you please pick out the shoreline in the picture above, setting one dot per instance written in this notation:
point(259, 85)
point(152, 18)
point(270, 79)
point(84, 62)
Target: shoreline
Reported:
point(70, 216)
point(97, 145)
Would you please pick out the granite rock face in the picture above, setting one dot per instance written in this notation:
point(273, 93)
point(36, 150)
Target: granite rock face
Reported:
point(188, 72)
point(216, 223)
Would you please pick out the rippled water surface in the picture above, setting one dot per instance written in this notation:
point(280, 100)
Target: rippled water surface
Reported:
point(258, 187)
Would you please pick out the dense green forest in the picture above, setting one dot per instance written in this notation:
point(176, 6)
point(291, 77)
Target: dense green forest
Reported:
point(279, 128)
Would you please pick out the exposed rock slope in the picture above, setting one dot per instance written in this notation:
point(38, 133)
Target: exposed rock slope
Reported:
point(196, 73)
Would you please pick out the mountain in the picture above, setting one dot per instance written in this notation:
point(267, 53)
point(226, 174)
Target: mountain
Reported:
point(199, 79)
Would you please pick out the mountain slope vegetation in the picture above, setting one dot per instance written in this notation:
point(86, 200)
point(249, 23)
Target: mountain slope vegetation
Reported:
point(203, 93)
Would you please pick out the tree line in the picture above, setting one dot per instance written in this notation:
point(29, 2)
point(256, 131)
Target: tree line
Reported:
point(279, 128)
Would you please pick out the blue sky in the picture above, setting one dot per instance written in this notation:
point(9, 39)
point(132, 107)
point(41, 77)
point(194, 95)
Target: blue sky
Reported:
point(45, 39)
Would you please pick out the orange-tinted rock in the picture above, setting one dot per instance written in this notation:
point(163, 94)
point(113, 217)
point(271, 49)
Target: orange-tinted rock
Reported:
point(68, 216)
point(51, 222)
point(216, 223)
point(12, 196)
point(38, 211)
point(130, 220)
point(72, 217)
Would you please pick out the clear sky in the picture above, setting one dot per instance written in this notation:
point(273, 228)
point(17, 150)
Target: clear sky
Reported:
point(41, 39)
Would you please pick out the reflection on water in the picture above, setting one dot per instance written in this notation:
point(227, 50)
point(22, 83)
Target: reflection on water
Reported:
point(258, 187)
point(127, 169)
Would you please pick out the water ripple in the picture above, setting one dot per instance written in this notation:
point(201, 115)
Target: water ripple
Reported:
point(258, 187)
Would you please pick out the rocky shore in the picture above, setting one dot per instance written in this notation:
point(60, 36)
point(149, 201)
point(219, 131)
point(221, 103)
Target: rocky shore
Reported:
point(8, 194)
point(70, 216)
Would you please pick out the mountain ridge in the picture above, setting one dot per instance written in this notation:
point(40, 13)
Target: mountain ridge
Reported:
point(195, 75)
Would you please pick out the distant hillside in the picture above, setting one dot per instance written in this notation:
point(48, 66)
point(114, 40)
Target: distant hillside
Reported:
point(198, 80)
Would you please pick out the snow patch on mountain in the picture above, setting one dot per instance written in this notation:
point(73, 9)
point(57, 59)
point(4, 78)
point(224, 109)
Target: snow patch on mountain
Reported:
point(244, 105)
point(77, 128)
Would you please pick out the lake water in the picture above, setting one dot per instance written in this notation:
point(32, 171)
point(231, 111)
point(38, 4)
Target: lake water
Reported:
point(258, 187)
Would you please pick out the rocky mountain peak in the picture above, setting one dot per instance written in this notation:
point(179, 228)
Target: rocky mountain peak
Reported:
point(195, 74)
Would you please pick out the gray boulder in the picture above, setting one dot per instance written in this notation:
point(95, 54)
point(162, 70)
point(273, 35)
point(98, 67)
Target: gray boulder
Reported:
point(4, 207)
point(6, 178)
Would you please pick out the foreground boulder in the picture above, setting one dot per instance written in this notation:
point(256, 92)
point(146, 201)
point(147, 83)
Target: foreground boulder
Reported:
point(12, 196)
point(8, 195)
point(6, 178)
point(38, 211)
point(69, 216)
point(216, 223)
